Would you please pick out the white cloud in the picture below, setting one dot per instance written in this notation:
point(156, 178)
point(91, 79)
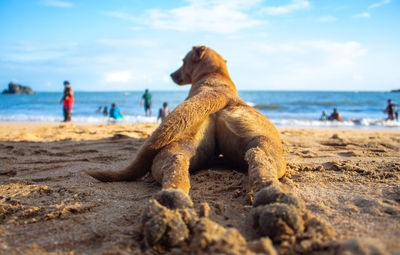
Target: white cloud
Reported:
point(358, 77)
point(285, 9)
point(364, 15)
point(350, 48)
point(135, 28)
point(30, 51)
point(121, 15)
point(326, 19)
point(56, 3)
point(301, 65)
point(118, 77)
point(339, 55)
point(217, 16)
point(378, 4)
point(212, 16)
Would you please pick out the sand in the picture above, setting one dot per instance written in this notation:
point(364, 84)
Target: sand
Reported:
point(347, 177)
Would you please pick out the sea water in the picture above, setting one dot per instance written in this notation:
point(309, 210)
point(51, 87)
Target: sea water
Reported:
point(283, 108)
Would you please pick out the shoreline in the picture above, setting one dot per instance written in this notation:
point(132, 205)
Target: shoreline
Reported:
point(47, 132)
point(333, 127)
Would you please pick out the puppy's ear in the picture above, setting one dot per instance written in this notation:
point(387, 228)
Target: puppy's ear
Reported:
point(198, 53)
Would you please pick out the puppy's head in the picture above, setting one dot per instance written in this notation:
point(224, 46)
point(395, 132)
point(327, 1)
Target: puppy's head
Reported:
point(198, 62)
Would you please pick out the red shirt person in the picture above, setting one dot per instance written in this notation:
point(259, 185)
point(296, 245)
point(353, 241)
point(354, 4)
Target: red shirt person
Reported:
point(68, 101)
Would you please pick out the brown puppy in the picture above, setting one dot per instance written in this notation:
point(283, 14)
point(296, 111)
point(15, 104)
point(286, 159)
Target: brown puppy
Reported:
point(212, 120)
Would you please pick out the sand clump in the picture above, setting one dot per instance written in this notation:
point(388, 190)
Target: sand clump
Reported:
point(170, 221)
point(282, 216)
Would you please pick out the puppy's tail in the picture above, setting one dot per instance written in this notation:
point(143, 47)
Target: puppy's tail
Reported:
point(128, 174)
point(138, 168)
point(111, 176)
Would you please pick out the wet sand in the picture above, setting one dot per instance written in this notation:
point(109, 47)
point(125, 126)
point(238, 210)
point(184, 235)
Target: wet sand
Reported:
point(348, 177)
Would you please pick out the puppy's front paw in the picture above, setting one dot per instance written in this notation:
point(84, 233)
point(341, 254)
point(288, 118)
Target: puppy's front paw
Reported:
point(168, 219)
point(274, 194)
point(174, 199)
point(279, 221)
point(277, 214)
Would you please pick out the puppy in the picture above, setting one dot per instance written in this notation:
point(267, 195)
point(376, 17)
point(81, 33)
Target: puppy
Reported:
point(213, 120)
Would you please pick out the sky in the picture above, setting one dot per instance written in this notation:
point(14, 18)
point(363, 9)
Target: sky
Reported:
point(119, 45)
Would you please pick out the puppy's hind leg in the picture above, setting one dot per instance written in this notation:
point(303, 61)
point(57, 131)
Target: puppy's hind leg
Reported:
point(171, 166)
point(266, 163)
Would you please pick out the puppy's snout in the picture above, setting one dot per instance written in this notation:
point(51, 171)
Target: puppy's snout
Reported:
point(175, 77)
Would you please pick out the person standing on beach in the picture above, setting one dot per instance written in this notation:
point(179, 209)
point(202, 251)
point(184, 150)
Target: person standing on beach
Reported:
point(68, 101)
point(146, 99)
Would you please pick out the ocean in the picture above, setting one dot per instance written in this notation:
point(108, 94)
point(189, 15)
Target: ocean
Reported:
point(283, 108)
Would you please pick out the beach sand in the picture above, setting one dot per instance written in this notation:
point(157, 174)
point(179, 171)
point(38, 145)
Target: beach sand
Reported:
point(48, 205)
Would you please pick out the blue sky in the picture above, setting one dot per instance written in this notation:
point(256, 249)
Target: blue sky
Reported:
point(132, 45)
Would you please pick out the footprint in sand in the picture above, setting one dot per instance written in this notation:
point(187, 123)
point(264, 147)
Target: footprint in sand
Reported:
point(349, 154)
point(368, 205)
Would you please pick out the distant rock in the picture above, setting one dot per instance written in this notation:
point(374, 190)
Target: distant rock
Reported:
point(17, 89)
point(395, 90)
